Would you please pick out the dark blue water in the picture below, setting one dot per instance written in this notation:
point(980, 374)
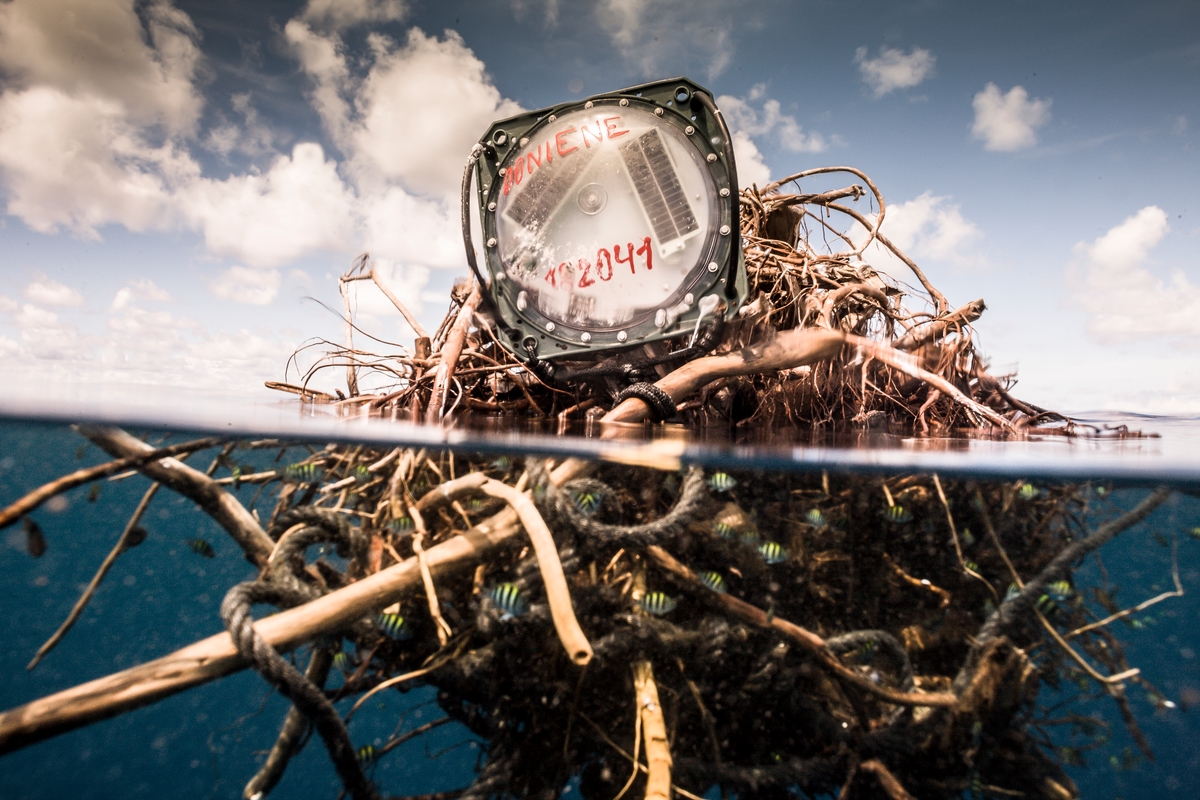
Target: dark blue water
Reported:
point(208, 741)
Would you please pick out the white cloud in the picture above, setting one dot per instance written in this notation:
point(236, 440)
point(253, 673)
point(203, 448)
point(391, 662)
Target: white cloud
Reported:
point(101, 49)
point(894, 69)
point(339, 15)
point(52, 293)
point(747, 123)
point(933, 227)
point(659, 36)
point(46, 337)
point(299, 205)
point(1126, 301)
point(1007, 122)
point(255, 287)
point(140, 289)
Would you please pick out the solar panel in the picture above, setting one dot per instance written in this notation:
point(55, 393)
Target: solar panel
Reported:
point(658, 188)
point(545, 189)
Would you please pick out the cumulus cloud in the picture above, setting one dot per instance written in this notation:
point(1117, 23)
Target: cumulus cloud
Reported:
point(254, 287)
point(1007, 122)
point(338, 15)
point(52, 293)
point(927, 228)
point(299, 205)
point(894, 69)
point(659, 36)
point(746, 123)
point(1126, 301)
point(100, 48)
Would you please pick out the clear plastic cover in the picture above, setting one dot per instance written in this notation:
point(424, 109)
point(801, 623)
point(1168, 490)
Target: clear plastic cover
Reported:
point(604, 216)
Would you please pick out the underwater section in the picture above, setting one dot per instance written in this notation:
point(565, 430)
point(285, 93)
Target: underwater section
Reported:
point(451, 621)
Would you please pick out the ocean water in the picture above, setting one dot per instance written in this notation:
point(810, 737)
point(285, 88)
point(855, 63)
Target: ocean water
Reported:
point(207, 741)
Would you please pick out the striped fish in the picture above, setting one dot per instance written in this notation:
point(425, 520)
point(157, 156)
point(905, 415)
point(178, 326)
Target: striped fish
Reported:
point(968, 538)
point(970, 566)
point(342, 662)
point(721, 482)
point(303, 473)
point(726, 531)
point(1013, 591)
point(35, 540)
point(394, 626)
point(501, 464)
point(712, 580)
point(749, 537)
point(509, 598)
point(1028, 491)
point(587, 502)
point(1059, 591)
point(897, 515)
point(772, 552)
point(657, 603)
point(816, 518)
point(201, 547)
point(366, 754)
point(361, 473)
point(402, 524)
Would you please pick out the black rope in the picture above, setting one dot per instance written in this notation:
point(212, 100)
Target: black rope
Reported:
point(850, 641)
point(688, 508)
point(235, 613)
point(662, 407)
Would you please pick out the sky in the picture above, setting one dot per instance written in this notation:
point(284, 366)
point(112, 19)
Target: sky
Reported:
point(183, 182)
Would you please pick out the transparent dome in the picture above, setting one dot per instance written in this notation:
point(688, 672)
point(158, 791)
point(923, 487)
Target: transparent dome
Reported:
point(605, 215)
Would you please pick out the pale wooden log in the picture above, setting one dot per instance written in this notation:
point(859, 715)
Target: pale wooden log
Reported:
point(786, 350)
point(557, 593)
point(216, 656)
point(134, 457)
point(654, 730)
point(192, 484)
point(450, 352)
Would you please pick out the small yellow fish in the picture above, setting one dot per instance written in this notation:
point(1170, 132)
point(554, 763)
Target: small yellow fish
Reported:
point(772, 552)
point(816, 518)
point(366, 754)
point(897, 515)
point(721, 482)
point(394, 626)
point(201, 547)
point(712, 580)
point(726, 531)
point(509, 598)
point(657, 603)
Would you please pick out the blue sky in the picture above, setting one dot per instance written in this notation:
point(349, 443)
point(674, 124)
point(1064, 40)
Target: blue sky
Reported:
point(178, 178)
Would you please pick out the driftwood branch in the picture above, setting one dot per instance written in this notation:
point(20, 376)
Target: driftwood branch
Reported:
point(390, 295)
point(131, 457)
point(938, 328)
point(192, 484)
point(450, 352)
point(654, 729)
point(787, 350)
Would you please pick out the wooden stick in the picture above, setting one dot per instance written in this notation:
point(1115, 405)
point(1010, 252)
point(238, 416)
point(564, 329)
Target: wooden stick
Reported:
point(134, 457)
point(192, 484)
point(105, 566)
point(935, 329)
point(787, 350)
point(450, 352)
point(654, 727)
point(387, 291)
point(418, 545)
point(557, 593)
point(810, 641)
point(216, 656)
point(908, 365)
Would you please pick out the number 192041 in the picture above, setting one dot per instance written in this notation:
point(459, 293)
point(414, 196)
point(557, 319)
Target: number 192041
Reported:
point(588, 273)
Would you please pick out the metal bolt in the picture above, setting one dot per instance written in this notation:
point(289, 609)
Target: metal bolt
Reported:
point(658, 112)
point(552, 117)
point(550, 327)
point(491, 242)
point(724, 230)
point(660, 317)
point(712, 266)
point(724, 191)
point(522, 300)
point(711, 157)
point(524, 141)
point(622, 336)
point(492, 206)
point(588, 104)
point(503, 170)
point(689, 130)
point(585, 337)
point(624, 102)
